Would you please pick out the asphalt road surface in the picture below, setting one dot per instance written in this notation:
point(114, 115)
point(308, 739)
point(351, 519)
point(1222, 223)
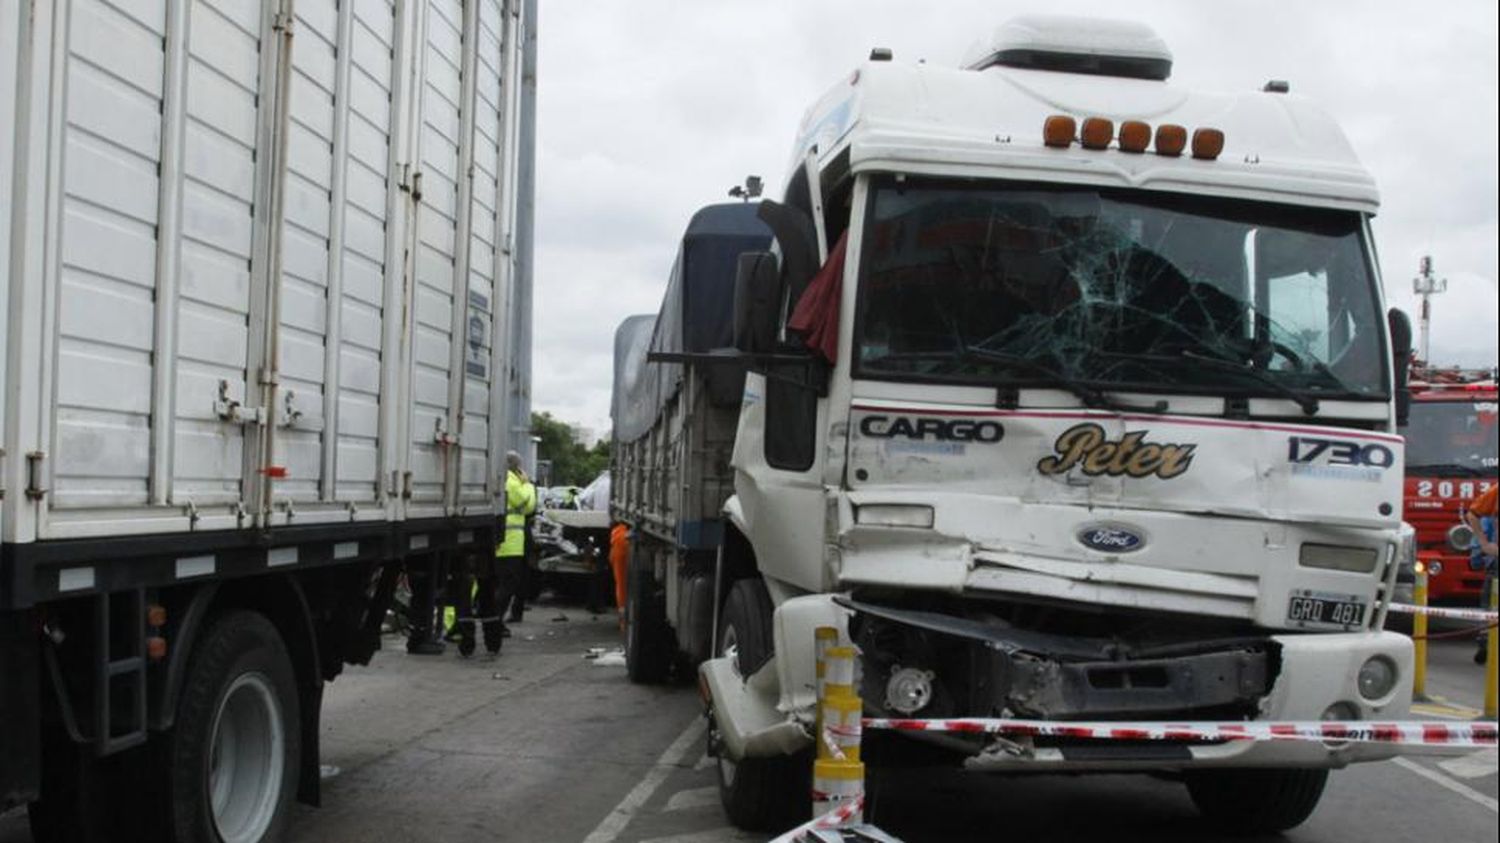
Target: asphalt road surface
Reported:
point(547, 745)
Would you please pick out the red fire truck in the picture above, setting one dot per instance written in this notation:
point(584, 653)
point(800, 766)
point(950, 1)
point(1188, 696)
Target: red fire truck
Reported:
point(1450, 460)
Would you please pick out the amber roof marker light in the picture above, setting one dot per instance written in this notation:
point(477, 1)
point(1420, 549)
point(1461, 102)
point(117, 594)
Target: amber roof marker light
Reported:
point(1171, 139)
point(1135, 136)
point(1058, 131)
point(1096, 133)
point(1207, 144)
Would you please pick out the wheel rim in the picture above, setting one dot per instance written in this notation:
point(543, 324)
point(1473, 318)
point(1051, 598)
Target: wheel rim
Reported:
point(246, 759)
point(729, 647)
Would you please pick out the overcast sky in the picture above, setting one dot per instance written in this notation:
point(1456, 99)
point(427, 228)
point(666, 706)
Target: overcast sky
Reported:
point(649, 109)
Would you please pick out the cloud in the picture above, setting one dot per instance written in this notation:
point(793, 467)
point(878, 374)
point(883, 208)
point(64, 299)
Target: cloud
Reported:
point(650, 109)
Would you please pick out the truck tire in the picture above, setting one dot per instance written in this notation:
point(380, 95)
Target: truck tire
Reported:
point(1250, 802)
point(235, 751)
point(758, 794)
point(648, 641)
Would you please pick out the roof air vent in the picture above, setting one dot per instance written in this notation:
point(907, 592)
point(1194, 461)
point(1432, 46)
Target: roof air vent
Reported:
point(1074, 45)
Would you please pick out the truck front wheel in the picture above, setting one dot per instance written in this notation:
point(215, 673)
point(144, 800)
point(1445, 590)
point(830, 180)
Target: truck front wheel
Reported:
point(236, 746)
point(1256, 801)
point(758, 794)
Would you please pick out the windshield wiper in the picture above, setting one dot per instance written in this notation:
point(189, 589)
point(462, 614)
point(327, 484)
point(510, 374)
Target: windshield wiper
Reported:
point(1090, 396)
point(1308, 403)
point(1448, 469)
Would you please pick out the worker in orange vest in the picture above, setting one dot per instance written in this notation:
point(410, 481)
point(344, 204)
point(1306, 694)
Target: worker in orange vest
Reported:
point(619, 555)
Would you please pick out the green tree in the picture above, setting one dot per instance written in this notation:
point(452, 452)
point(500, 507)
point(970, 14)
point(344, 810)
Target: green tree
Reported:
point(572, 463)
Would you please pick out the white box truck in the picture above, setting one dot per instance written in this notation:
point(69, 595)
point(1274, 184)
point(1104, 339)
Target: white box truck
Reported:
point(1089, 414)
point(256, 258)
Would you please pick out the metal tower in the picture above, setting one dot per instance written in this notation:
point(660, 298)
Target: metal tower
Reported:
point(1426, 285)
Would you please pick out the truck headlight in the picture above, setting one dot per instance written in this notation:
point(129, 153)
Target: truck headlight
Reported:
point(1377, 676)
point(1460, 537)
point(894, 515)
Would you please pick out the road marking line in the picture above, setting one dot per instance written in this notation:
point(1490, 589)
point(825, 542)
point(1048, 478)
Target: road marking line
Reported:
point(698, 797)
point(1441, 780)
point(713, 835)
point(704, 763)
point(670, 760)
point(1475, 765)
point(1447, 710)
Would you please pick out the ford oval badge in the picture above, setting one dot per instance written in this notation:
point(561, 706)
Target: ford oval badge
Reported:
point(1110, 539)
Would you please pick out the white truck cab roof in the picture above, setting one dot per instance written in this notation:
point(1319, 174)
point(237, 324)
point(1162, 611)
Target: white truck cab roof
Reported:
point(985, 119)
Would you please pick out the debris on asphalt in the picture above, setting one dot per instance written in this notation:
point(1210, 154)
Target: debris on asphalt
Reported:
point(606, 658)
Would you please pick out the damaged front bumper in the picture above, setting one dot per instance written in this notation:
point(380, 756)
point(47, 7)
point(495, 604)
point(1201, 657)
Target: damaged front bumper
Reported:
point(978, 668)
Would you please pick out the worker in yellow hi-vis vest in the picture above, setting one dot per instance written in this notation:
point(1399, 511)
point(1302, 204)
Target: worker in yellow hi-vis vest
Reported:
point(487, 582)
point(510, 553)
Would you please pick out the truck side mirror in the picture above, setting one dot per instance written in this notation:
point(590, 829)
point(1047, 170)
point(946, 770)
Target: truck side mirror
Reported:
point(1400, 325)
point(756, 296)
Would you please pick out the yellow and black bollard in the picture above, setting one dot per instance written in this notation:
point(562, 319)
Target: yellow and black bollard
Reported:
point(1492, 642)
point(1419, 636)
point(838, 774)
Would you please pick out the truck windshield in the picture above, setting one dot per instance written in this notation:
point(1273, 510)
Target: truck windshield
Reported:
point(1451, 438)
point(1115, 289)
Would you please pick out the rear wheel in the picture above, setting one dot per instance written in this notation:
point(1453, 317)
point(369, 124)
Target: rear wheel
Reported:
point(758, 794)
point(648, 641)
point(1247, 802)
point(236, 748)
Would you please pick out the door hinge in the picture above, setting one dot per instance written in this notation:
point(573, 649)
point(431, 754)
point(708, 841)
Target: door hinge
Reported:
point(440, 435)
point(230, 410)
point(34, 490)
point(411, 181)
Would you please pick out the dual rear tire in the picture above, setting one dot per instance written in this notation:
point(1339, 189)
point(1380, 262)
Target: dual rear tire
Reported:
point(226, 772)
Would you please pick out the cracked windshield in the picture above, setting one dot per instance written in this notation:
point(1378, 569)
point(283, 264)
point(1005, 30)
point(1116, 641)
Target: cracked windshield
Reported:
point(1081, 286)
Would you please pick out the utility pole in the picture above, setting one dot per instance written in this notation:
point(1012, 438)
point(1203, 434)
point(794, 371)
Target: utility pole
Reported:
point(1426, 285)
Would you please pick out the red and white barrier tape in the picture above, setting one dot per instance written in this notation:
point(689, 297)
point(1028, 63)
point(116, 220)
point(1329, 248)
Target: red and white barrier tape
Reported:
point(835, 818)
point(1443, 612)
point(1408, 733)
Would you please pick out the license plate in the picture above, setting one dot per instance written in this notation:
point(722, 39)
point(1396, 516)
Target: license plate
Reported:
point(1323, 609)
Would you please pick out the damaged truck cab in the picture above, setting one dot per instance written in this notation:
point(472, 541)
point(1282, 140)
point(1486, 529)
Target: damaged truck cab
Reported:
point(1088, 414)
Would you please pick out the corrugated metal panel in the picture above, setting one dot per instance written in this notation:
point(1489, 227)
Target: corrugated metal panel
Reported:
point(112, 140)
point(363, 308)
point(435, 253)
point(186, 272)
point(474, 484)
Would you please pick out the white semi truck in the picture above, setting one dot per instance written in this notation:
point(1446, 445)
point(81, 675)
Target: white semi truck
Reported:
point(257, 258)
point(1089, 414)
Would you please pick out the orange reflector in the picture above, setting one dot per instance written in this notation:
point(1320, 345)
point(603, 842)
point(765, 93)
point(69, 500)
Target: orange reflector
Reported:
point(1207, 143)
point(156, 648)
point(1058, 131)
point(156, 615)
point(274, 471)
point(1097, 132)
point(1135, 136)
point(1171, 139)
